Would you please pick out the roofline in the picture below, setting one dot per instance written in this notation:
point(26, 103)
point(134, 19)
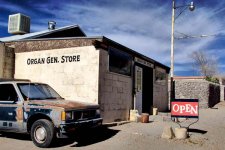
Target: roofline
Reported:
point(57, 30)
point(103, 38)
point(81, 30)
point(66, 38)
point(43, 33)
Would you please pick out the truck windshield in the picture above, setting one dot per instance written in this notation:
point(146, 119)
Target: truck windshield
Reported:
point(36, 91)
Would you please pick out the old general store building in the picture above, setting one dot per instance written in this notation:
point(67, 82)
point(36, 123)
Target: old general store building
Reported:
point(88, 69)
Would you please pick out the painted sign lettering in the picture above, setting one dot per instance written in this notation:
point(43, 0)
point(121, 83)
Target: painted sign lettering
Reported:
point(70, 59)
point(53, 60)
point(187, 108)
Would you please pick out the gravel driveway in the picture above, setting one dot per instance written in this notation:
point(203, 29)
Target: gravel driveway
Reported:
point(208, 134)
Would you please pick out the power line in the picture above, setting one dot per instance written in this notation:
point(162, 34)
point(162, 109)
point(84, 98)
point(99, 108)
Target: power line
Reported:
point(186, 36)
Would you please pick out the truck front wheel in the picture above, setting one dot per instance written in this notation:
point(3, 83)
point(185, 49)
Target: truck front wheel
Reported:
point(42, 133)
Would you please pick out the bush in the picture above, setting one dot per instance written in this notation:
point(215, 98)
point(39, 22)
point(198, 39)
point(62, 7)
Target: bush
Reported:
point(212, 79)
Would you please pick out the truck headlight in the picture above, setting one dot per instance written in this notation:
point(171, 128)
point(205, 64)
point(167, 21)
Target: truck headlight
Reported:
point(98, 112)
point(68, 115)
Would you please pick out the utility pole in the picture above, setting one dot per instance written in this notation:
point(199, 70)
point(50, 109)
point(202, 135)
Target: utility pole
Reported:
point(174, 7)
point(172, 93)
point(172, 43)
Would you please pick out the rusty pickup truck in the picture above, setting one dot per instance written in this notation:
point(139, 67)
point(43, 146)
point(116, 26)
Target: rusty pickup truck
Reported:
point(37, 109)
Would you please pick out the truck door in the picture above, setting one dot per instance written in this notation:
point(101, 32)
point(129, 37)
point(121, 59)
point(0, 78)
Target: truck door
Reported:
point(11, 109)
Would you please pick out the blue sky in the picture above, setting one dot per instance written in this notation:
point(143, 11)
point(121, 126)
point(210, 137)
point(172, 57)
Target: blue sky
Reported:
point(142, 25)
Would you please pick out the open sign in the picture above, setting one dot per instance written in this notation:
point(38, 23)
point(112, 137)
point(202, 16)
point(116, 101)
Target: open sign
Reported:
point(186, 108)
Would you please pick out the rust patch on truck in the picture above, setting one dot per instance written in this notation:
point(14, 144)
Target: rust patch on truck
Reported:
point(19, 114)
point(66, 104)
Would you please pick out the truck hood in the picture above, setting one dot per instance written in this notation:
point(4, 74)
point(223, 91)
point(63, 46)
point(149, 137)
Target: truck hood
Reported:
point(65, 104)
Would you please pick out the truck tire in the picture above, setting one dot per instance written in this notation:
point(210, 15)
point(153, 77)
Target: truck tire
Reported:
point(42, 133)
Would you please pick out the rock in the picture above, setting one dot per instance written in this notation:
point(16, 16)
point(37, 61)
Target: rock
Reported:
point(181, 133)
point(167, 133)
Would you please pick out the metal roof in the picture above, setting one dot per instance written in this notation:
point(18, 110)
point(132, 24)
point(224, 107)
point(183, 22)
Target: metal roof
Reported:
point(38, 34)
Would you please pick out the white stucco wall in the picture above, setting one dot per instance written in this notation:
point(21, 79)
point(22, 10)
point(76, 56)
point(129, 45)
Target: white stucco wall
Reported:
point(76, 80)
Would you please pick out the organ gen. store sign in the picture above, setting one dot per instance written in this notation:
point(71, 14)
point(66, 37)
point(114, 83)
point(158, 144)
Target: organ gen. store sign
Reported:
point(186, 108)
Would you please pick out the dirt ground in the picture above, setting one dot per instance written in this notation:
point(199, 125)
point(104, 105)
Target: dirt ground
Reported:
point(208, 134)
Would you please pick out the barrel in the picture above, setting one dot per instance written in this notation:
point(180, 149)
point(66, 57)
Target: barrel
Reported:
point(145, 118)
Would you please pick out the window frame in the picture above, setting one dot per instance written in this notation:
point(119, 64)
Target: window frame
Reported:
point(11, 101)
point(130, 60)
point(34, 84)
point(158, 79)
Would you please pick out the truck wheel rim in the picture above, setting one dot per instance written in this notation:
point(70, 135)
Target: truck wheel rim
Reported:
point(40, 134)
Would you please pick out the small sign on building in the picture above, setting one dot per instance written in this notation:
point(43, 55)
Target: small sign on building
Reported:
point(185, 108)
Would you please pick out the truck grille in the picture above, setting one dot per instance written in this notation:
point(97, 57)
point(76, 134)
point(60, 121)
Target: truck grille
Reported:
point(83, 115)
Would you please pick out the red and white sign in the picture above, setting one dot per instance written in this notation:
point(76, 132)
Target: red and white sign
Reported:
point(185, 108)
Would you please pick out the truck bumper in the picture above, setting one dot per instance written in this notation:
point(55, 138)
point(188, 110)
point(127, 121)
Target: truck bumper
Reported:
point(71, 127)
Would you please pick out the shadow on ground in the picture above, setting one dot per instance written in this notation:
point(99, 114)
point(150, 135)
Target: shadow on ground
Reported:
point(87, 137)
point(197, 131)
point(214, 108)
point(17, 136)
point(81, 138)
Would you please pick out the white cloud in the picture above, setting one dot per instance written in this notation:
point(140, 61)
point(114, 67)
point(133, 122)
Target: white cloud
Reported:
point(142, 30)
point(148, 30)
point(141, 25)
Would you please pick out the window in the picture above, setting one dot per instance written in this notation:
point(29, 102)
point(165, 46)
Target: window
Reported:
point(119, 62)
point(35, 91)
point(7, 92)
point(160, 77)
